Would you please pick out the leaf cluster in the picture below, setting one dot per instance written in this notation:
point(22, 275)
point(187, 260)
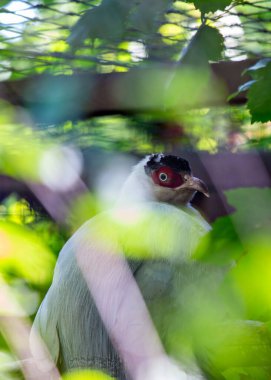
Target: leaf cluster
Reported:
point(219, 307)
point(258, 91)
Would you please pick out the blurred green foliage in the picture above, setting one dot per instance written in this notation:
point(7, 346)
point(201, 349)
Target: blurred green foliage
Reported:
point(24, 255)
point(140, 231)
point(207, 129)
point(9, 369)
point(73, 36)
point(87, 375)
point(17, 210)
point(17, 213)
point(29, 246)
point(258, 91)
point(219, 306)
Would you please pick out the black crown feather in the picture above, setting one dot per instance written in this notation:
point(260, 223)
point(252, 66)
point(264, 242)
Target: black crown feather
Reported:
point(176, 163)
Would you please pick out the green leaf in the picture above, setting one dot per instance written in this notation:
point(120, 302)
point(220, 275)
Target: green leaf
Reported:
point(21, 158)
point(251, 278)
point(211, 5)
point(135, 227)
point(8, 365)
point(146, 15)
point(221, 245)
point(255, 72)
point(257, 219)
point(4, 2)
point(206, 45)
point(24, 254)
point(106, 21)
point(230, 236)
point(261, 64)
point(244, 87)
point(86, 375)
point(240, 351)
point(259, 94)
point(48, 2)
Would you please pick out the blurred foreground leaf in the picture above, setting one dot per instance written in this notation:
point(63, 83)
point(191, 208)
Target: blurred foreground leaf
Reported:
point(149, 231)
point(26, 298)
point(219, 307)
point(87, 375)
point(251, 279)
point(20, 148)
point(22, 253)
point(232, 236)
point(221, 245)
point(164, 90)
point(8, 366)
point(252, 215)
point(19, 152)
point(83, 208)
point(238, 350)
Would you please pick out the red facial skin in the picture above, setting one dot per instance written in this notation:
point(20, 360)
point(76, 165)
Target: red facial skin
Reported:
point(166, 177)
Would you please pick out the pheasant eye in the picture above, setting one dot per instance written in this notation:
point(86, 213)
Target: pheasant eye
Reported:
point(166, 177)
point(163, 177)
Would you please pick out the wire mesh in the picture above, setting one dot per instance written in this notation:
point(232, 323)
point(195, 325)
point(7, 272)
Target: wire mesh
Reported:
point(34, 37)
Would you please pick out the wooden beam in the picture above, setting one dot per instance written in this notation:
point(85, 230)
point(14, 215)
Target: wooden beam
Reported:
point(55, 99)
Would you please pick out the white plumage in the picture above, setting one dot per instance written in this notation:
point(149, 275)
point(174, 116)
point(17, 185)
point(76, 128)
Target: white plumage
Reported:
point(91, 274)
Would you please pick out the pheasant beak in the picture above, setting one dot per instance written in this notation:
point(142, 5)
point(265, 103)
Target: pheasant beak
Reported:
point(196, 184)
